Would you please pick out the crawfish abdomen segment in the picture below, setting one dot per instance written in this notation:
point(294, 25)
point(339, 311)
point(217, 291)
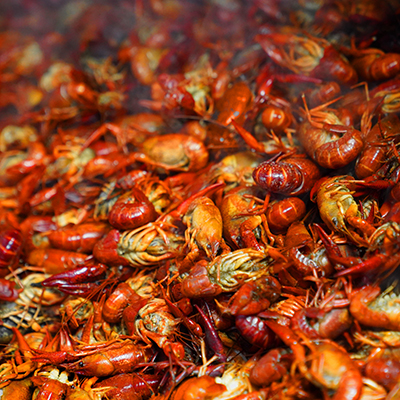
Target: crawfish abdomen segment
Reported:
point(278, 178)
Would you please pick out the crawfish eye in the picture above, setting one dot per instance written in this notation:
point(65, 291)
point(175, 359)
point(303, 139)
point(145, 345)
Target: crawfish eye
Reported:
point(81, 364)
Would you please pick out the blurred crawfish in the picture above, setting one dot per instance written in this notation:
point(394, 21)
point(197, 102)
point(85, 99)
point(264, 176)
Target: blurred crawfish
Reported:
point(10, 246)
point(133, 129)
point(234, 104)
point(377, 146)
point(171, 152)
point(308, 55)
point(14, 137)
point(235, 169)
point(372, 308)
point(374, 64)
point(384, 98)
point(16, 164)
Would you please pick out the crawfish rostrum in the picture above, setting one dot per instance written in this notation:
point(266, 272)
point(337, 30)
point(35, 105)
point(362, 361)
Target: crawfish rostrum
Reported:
point(199, 200)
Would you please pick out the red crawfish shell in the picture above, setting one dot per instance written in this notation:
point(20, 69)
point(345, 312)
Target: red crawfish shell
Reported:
point(10, 247)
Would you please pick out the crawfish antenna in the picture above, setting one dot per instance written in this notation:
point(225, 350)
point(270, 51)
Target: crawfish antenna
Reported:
point(303, 97)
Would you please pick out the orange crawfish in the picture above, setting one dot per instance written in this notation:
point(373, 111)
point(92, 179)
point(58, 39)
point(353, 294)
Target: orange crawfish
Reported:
point(112, 359)
point(338, 208)
point(225, 273)
point(374, 64)
point(80, 238)
point(330, 143)
point(377, 146)
point(308, 55)
point(372, 308)
point(330, 368)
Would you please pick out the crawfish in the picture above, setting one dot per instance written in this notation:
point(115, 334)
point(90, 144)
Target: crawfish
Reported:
point(372, 308)
point(54, 385)
point(271, 367)
point(171, 152)
point(338, 208)
point(54, 261)
point(330, 323)
point(305, 255)
point(21, 390)
point(200, 388)
point(240, 229)
point(8, 292)
point(80, 238)
point(225, 273)
point(254, 296)
point(254, 329)
point(204, 223)
point(330, 367)
point(287, 175)
point(157, 191)
point(376, 147)
point(174, 152)
point(120, 298)
point(275, 145)
point(382, 252)
point(132, 210)
point(129, 386)
point(331, 144)
point(133, 129)
point(235, 169)
point(375, 65)
point(112, 360)
point(144, 246)
point(154, 321)
point(80, 280)
point(234, 104)
point(148, 244)
point(309, 56)
point(283, 213)
point(10, 246)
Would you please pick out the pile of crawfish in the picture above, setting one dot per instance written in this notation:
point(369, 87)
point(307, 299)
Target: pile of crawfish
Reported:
point(199, 200)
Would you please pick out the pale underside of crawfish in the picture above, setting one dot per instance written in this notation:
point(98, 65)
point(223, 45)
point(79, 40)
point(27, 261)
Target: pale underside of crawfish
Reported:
point(147, 246)
point(230, 270)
